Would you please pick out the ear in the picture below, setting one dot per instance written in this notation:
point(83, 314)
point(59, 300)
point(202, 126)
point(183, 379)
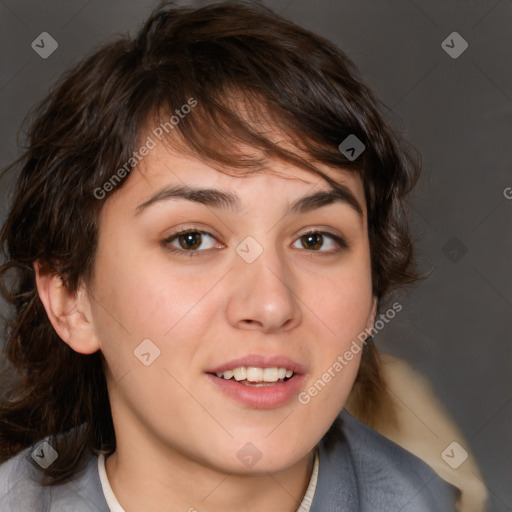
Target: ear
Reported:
point(370, 323)
point(68, 312)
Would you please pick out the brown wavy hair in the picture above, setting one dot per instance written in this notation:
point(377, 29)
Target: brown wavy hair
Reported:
point(260, 82)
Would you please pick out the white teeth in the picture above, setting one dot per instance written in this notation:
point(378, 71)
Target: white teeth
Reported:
point(271, 374)
point(228, 374)
point(240, 373)
point(254, 374)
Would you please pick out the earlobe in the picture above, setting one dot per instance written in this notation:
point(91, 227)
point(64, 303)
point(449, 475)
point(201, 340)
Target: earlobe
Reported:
point(68, 312)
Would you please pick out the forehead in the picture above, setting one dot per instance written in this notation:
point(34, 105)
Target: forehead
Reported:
point(165, 173)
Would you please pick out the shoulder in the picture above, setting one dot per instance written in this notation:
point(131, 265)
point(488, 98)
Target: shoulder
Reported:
point(383, 475)
point(21, 488)
point(413, 397)
point(18, 484)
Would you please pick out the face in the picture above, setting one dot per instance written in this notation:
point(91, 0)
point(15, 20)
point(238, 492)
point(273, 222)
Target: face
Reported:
point(256, 279)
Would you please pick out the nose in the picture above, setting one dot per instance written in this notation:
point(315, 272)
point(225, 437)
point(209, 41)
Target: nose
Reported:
point(262, 295)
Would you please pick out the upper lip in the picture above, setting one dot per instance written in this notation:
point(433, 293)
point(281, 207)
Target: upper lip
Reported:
point(260, 361)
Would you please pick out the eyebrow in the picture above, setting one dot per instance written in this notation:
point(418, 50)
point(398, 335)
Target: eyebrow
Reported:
point(227, 200)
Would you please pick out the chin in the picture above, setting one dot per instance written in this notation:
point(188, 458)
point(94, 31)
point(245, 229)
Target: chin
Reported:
point(262, 455)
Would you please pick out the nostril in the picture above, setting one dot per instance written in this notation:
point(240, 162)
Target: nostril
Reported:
point(250, 323)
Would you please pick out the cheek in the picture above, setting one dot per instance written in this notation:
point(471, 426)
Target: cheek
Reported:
point(342, 301)
point(142, 297)
point(344, 305)
point(143, 292)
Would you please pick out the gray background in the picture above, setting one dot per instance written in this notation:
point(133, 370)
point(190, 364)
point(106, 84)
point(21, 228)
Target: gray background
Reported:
point(455, 327)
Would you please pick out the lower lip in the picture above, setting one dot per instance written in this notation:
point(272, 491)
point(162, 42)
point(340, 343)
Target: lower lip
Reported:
point(261, 397)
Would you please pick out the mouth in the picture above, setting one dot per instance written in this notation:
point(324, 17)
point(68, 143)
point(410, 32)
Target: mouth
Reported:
point(259, 382)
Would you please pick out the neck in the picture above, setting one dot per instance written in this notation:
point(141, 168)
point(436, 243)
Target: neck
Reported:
point(175, 483)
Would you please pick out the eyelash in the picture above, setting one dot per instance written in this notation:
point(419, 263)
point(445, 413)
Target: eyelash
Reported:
point(342, 245)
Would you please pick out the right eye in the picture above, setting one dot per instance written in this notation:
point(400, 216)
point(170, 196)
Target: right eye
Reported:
point(189, 241)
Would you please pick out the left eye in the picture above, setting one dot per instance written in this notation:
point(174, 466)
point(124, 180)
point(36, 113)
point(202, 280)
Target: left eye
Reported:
point(315, 240)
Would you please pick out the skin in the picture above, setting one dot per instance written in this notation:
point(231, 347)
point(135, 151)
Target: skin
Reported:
point(177, 434)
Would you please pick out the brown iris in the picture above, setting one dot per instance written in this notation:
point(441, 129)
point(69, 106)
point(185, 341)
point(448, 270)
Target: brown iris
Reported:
point(313, 241)
point(190, 240)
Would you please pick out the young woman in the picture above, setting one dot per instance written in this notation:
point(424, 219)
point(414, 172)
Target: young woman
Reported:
point(208, 218)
